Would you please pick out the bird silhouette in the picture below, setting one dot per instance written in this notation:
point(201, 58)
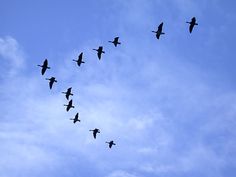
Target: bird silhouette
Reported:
point(79, 60)
point(69, 105)
point(68, 93)
point(159, 31)
point(44, 66)
point(76, 118)
point(51, 81)
point(192, 24)
point(95, 131)
point(115, 41)
point(111, 143)
point(99, 51)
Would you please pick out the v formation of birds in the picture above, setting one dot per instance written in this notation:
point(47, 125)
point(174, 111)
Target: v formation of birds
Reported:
point(80, 61)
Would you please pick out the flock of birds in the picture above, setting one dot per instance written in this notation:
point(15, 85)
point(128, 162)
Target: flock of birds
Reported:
point(100, 51)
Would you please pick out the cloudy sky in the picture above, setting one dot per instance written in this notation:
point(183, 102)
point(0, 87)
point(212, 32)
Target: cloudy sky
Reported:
point(169, 104)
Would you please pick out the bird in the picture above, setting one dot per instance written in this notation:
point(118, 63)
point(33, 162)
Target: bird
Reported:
point(44, 66)
point(159, 31)
point(51, 81)
point(115, 41)
point(99, 51)
point(68, 93)
point(111, 143)
point(76, 118)
point(95, 131)
point(79, 61)
point(69, 105)
point(192, 24)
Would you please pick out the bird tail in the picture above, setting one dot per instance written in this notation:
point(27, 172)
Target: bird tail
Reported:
point(188, 22)
point(71, 119)
point(48, 67)
point(63, 92)
point(95, 49)
point(162, 33)
point(47, 79)
point(82, 62)
point(74, 60)
point(110, 41)
point(39, 65)
point(107, 142)
point(65, 105)
point(154, 31)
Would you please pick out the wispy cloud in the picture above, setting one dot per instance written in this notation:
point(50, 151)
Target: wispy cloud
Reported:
point(12, 56)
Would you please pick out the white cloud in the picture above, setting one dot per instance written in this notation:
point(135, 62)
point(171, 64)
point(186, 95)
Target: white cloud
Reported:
point(12, 55)
point(120, 173)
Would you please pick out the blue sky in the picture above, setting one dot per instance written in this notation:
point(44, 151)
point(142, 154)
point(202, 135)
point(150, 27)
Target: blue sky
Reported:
point(169, 104)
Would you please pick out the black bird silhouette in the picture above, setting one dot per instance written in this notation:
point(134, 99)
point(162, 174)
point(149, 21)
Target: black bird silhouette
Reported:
point(95, 131)
point(111, 143)
point(68, 93)
point(99, 52)
point(51, 81)
point(192, 24)
point(44, 66)
point(76, 118)
point(115, 41)
point(159, 31)
point(69, 105)
point(79, 61)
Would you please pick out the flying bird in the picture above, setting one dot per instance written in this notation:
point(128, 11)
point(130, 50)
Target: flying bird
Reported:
point(159, 31)
point(111, 143)
point(69, 105)
point(51, 81)
point(79, 60)
point(115, 41)
point(44, 66)
point(68, 93)
point(76, 118)
point(192, 24)
point(99, 51)
point(95, 131)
